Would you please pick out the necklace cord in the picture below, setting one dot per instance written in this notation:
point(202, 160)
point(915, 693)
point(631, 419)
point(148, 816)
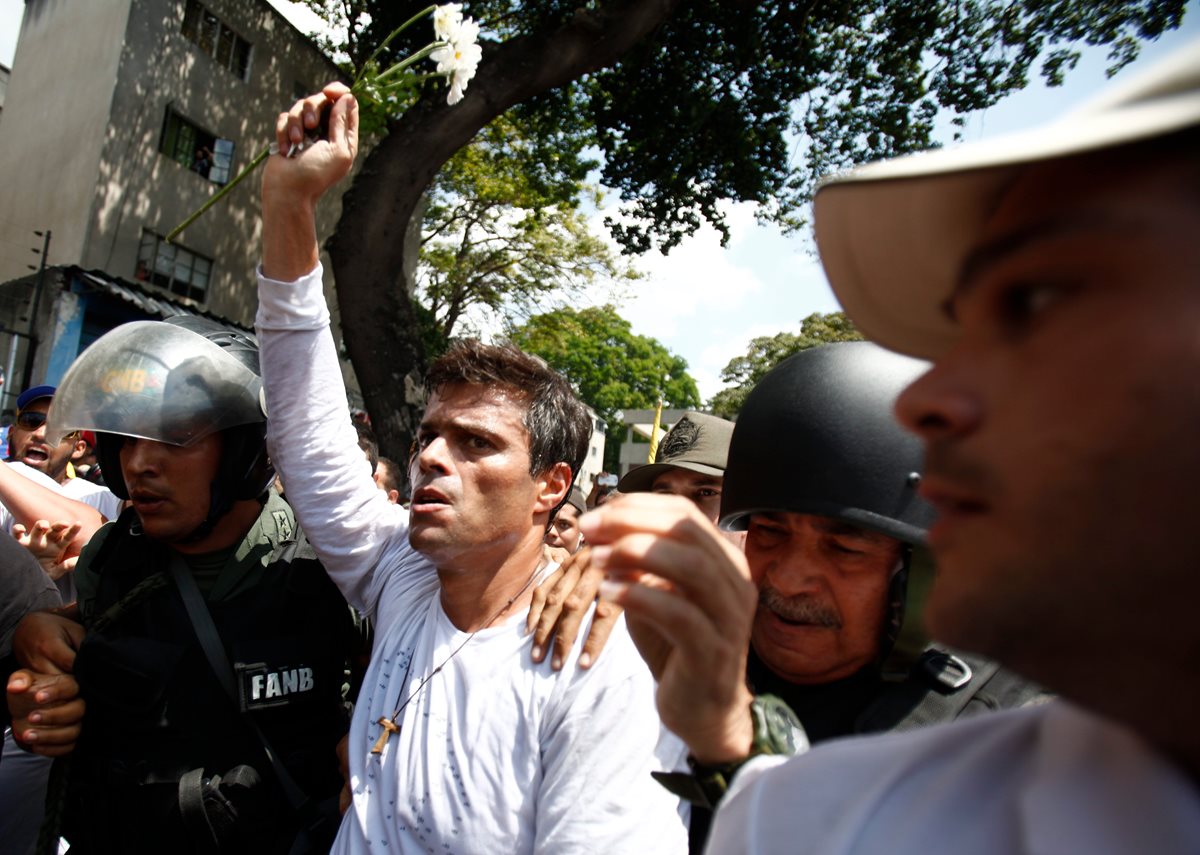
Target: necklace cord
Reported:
point(391, 725)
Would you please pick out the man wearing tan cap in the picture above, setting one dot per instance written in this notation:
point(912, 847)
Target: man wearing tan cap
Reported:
point(690, 462)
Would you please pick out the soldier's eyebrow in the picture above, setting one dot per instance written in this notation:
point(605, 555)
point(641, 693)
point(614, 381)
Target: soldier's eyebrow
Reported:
point(981, 259)
point(827, 525)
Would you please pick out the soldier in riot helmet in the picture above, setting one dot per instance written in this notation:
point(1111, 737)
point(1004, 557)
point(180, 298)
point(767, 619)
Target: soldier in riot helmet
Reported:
point(824, 483)
point(211, 643)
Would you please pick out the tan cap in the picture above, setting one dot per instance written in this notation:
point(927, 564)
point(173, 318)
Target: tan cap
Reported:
point(893, 235)
point(698, 442)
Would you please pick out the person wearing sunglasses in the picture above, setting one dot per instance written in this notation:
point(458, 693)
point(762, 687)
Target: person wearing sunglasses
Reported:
point(28, 444)
point(27, 436)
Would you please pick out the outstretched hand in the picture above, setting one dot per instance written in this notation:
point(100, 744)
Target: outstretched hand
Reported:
point(690, 607)
point(52, 544)
point(558, 607)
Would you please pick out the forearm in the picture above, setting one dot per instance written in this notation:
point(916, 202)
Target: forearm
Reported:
point(29, 502)
point(290, 247)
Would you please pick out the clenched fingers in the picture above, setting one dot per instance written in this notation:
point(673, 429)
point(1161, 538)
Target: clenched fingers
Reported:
point(47, 712)
point(670, 519)
point(305, 116)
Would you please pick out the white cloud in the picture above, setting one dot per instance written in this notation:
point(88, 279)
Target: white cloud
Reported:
point(699, 277)
point(706, 369)
point(10, 27)
point(706, 302)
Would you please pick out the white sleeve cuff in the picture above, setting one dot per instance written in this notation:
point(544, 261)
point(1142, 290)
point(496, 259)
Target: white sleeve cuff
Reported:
point(751, 770)
point(298, 305)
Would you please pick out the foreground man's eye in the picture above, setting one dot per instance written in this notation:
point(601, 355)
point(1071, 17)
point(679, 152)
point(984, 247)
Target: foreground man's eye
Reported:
point(1021, 302)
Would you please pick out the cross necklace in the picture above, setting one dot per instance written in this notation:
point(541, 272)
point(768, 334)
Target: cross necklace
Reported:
point(390, 724)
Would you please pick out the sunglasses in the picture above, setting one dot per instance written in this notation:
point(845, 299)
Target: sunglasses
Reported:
point(31, 420)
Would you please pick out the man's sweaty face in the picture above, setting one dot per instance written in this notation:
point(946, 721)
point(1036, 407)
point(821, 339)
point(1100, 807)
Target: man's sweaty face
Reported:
point(823, 587)
point(473, 496)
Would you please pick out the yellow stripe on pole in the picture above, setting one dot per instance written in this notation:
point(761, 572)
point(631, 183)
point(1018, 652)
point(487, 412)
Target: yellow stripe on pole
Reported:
point(654, 432)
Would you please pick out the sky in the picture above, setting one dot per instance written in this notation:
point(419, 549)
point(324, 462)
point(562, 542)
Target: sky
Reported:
point(705, 302)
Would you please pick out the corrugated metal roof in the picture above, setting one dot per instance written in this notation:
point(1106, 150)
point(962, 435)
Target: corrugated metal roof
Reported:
point(151, 302)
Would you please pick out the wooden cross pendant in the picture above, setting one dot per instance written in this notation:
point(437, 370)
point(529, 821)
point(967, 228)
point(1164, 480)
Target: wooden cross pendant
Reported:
point(389, 727)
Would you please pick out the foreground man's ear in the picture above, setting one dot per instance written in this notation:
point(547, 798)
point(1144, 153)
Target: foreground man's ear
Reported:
point(553, 486)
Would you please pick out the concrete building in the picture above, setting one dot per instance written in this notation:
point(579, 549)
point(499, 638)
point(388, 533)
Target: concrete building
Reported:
point(593, 464)
point(122, 117)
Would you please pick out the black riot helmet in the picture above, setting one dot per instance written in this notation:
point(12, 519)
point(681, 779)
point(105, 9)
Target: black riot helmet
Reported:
point(173, 381)
point(817, 436)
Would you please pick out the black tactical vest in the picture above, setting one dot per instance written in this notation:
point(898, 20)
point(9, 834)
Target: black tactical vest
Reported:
point(156, 711)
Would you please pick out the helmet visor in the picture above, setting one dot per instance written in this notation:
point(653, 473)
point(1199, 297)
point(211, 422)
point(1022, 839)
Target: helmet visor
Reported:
point(156, 381)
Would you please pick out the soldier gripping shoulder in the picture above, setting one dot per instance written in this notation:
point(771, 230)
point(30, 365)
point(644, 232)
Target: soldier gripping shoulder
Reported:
point(215, 648)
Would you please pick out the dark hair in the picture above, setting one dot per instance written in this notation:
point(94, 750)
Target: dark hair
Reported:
point(557, 422)
point(389, 474)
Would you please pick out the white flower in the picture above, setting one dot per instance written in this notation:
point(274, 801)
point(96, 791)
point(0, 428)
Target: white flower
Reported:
point(446, 21)
point(459, 59)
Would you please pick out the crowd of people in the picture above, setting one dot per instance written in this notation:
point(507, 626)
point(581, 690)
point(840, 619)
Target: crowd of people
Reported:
point(930, 593)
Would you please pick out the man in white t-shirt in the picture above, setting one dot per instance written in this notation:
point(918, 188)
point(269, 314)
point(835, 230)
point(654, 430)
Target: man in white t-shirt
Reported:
point(1053, 279)
point(460, 742)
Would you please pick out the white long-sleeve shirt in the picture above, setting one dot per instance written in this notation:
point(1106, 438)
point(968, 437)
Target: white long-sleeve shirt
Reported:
point(1044, 780)
point(495, 753)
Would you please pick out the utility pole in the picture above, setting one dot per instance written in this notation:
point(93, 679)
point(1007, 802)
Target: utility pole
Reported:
point(31, 350)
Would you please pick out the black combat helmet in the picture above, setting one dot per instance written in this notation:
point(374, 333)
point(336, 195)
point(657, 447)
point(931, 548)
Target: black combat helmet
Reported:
point(173, 381)
point(817, 436)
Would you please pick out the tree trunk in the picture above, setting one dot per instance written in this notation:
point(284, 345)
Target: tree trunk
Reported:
point(367, 249)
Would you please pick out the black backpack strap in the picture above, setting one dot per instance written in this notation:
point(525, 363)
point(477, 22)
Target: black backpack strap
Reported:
point(938, 688)
point(214, 652)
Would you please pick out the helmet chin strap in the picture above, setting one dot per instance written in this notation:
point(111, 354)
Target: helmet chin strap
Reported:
point(218, 506)
point(897, 594)
point(222, 500)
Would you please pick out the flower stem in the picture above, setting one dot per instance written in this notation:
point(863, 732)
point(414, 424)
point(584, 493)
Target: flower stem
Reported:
point(220, 194)
point(408, 82)
point(403, 64)
point(383, 46)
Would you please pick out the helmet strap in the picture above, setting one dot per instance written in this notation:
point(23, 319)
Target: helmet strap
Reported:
point(897, 602)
